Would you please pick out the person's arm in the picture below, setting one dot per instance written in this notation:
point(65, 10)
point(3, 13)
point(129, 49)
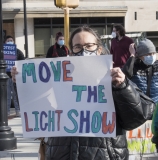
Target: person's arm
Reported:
point(20, 55)
point(49, 52)
point(14, 73)
point(132, 50)
point(133, 108)
point(128, 67)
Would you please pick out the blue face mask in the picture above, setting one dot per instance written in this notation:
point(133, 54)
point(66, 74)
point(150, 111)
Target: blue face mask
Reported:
point(10, 43)
point(61, 42)
point(149, 60)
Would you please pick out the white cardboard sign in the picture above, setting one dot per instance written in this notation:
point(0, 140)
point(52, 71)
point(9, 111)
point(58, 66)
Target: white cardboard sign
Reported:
point(68, 96)
point(139, 141)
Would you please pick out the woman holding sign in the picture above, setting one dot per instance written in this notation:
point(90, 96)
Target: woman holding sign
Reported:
point(131, 105)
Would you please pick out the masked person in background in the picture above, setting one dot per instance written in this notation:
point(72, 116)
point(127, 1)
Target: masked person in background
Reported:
point(10, 87)
point(142, 69)
point(58, 49)
point(133, 108)
point(120, 46)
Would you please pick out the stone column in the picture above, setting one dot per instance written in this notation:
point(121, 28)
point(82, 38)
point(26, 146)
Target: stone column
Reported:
point(19, 35)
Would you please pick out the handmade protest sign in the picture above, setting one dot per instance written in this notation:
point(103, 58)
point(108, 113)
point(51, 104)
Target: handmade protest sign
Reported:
point(68, 96)
point(9, 55)
point(139, 142)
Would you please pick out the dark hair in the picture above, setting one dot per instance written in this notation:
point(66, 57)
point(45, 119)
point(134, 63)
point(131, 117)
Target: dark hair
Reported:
point(119, 28)
point(59, 34)
point(89, 30)
point(7, 38)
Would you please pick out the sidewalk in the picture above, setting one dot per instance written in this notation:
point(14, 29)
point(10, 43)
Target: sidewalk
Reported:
point(27, 148)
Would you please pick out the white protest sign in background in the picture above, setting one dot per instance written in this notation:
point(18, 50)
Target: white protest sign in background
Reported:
point(140, 144)
point(68, 96)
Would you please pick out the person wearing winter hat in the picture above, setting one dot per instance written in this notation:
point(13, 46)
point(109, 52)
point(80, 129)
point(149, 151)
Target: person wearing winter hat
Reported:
point(146, 51)
point(142, 69)
point(58, 49)
point(142, 66)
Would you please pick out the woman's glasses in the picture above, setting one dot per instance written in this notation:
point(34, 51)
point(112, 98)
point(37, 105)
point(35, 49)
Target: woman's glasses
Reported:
point(89, 47)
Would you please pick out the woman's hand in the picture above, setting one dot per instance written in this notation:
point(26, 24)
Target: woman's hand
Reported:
point(13, 73)
point(132, 49)
point(118, 76)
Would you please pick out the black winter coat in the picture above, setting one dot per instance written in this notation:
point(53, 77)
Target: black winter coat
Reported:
point(20, 55)
point(60, 51)
point(133, 108)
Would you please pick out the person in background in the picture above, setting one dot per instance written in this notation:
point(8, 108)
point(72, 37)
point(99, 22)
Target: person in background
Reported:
point(120, 46)
point(142, 69)
point(58, 49)
point(11, 88)
point(133, 108)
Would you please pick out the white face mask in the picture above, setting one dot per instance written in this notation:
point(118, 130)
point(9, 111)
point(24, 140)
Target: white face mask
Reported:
point(113, 34)
point(87, 53)
point(149, 60)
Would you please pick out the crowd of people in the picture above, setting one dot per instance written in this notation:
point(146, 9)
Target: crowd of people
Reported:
point(134, 87)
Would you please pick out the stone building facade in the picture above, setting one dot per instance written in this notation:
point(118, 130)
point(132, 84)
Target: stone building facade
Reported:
point(44, 20)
